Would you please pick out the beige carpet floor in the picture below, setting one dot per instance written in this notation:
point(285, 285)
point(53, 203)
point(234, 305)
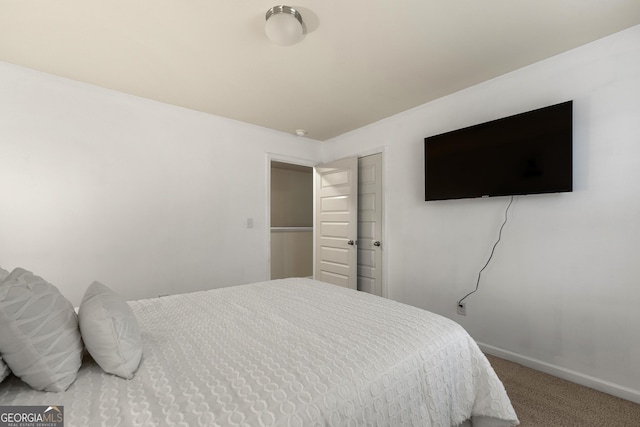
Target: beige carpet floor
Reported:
point(541, 400)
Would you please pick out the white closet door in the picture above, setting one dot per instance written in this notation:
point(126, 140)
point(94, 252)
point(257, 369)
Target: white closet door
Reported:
point(337, 222)
point(370, 224)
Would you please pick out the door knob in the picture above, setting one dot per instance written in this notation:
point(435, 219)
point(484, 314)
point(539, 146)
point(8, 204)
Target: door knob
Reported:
point(376, 243)
point(351, 242)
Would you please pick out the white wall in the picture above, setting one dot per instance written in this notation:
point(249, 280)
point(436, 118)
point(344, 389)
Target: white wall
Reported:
point(563, 288)
point(147, 198)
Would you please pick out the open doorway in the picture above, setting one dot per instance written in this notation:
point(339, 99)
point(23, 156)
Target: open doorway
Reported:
point(291, 215)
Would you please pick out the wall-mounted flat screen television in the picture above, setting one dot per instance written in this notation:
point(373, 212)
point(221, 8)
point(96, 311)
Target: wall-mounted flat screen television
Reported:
point(528, 153)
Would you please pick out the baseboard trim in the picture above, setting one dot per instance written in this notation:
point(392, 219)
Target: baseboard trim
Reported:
point(566, 374)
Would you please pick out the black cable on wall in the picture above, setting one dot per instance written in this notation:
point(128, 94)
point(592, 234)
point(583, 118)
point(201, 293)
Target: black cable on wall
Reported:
point(506, 217)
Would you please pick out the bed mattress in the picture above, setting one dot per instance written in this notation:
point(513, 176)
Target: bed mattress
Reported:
point(293, 352)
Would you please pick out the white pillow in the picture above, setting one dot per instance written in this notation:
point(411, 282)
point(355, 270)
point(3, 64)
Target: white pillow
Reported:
point(4, 370)
point(39, 336)
point(110, 331)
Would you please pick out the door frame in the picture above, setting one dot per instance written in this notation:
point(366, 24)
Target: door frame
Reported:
point(312, 163)
point(276, 157)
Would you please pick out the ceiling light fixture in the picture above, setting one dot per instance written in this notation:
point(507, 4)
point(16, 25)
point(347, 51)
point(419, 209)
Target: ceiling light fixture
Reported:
point(284, 25)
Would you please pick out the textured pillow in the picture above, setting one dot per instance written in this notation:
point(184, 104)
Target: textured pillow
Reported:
point(4, 370)
point(110, 331)
point(39, 336)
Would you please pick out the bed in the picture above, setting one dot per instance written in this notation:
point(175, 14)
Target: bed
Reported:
point(292, 352)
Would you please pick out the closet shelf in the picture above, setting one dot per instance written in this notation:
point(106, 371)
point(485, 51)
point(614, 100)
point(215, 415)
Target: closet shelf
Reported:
point(282, 229)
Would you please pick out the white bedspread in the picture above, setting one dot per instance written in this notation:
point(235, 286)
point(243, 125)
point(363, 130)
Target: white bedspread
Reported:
point(292, 352)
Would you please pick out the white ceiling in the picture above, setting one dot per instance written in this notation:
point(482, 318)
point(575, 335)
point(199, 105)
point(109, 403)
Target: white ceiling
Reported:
point(359, 61)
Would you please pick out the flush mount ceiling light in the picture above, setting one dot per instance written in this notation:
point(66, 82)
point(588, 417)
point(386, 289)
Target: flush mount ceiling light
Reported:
point(284, 25)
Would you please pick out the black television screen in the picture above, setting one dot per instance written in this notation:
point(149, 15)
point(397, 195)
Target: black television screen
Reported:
point(528, 153)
